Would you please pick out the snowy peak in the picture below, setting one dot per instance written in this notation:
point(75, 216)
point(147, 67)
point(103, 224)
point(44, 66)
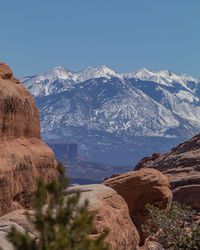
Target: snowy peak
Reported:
point(164, 77)
point(60, 79)
point(79, 76)
point(90, 72)
point(59, 72)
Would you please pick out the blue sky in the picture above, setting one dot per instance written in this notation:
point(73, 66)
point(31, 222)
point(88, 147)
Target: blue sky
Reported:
point(124, 34)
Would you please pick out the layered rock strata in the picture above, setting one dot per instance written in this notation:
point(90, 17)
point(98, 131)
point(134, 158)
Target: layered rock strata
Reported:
point(23, 156)
point(182, 166)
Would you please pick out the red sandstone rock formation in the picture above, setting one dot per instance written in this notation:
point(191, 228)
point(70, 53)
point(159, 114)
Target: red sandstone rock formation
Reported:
point(146, 161)
point(110, 210)
point(23, 156)
point(139, 188)
point(182, 166)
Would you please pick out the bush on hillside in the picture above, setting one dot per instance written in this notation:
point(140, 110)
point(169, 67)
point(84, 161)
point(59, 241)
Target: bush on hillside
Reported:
point(62, 225)
point(174, 229)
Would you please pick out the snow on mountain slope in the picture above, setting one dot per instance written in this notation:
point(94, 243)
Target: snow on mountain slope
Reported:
point(104, 111)
point(107, 106)
point(60, 79)
point(90, 73)
point(164, 77)
point(44, 83)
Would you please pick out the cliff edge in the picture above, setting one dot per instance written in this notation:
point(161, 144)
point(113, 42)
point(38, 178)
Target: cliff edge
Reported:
point(23, 155)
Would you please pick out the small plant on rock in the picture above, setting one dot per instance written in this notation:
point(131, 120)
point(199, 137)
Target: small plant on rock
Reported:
point(174, 229)
point(62, 225)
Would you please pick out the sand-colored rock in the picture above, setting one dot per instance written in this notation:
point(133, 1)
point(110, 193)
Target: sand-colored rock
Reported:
point(139, 188)
point(182, 166)
point(18, 220)
point(111, 211)
point(23, 156)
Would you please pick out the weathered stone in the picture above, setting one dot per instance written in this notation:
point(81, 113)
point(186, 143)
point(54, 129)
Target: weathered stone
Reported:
point(146, 161)
point(182, 166)
point(139, 188)
point(4, 242)
point(18, 220)
point(23, 156)
point(110, 212)
point(5, 71)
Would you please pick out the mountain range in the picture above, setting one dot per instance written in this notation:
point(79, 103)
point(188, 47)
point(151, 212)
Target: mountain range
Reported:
point(116, 118)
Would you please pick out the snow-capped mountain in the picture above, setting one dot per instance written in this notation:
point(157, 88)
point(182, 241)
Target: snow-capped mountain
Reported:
point(45, 83)
point(164, 77)
point(116, 118)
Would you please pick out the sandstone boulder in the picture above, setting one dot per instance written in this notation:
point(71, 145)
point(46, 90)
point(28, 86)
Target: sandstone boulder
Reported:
point(18, 220)
point(139, 188)
point(23, 156)
point(111, 211)
point(182, 166)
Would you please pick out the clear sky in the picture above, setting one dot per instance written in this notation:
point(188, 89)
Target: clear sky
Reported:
point(36, 35)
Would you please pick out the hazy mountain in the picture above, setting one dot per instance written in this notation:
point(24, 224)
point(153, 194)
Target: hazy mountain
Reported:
point(116, 118)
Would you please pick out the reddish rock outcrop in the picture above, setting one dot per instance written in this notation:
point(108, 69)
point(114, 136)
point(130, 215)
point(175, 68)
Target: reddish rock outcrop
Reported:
point(23, 156)
point(146, 161)
point(139, 188)
point(109, 208)
point(110, 211)
point(182, 166)
point(5, 71)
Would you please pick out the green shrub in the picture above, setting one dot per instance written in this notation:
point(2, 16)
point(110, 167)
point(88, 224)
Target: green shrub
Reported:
point(62, 225)
point(174, 229)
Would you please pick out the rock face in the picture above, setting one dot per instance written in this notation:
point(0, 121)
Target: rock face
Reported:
point(182, 166)
point(146, 161)
point(23, 156)
point(15, 219)
point(139, 188)
point(111, 211)
point(19, 116)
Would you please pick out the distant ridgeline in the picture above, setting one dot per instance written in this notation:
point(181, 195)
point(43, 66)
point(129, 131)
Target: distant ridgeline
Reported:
point(63, 150)
point(116, 118)
point(79, 169)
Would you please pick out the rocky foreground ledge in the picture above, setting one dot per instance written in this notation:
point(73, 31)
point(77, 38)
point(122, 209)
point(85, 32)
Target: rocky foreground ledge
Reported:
point(120, 210)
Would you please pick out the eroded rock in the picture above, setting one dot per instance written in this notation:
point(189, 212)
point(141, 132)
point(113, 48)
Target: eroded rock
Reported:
point(111, 211)
point(139, 188)
point(23, 156)
point(182, 166)
point(5, 71)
